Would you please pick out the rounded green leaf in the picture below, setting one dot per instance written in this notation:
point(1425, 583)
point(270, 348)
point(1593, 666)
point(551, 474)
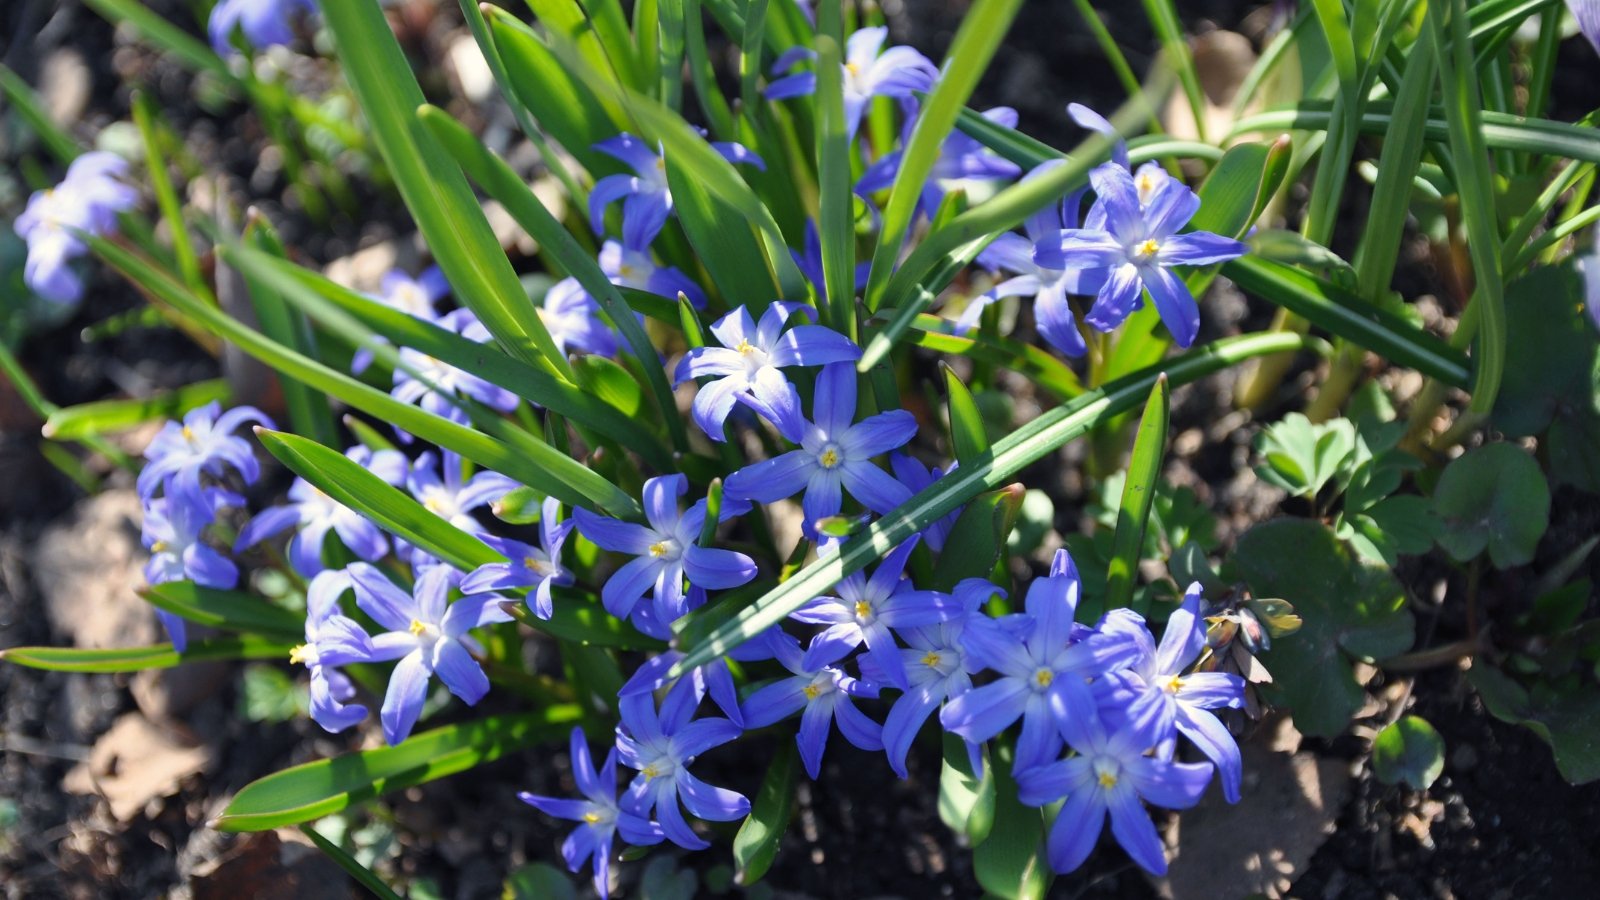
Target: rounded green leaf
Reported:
point(1408, 751)
point(1495, 498)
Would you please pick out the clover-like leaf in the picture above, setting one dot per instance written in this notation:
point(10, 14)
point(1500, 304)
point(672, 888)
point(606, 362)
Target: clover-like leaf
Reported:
point(1349, 607)
point(1301, 457)
point(1493, 497)
point(1408, 751)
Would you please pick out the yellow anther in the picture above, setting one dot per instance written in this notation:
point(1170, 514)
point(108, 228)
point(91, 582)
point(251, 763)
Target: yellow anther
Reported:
point(625, 272)
point(1174, 684)
point(298, 654)
point(1147, 248)
point(158, 547)
point(591, 817)
point(188, 433)
point(1043, 677)
point(932, 659)
point(1108, 780)
point(853, 69)
point(538, 566)
point(863, 609)
point(829, 458)
point(660, 548)
point(650, 771)
point(1146, 184)
point(418, 627)
point(745, 348)
point(811, 691)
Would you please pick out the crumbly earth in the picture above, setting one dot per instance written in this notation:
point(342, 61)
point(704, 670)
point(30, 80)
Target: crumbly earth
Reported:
point(1501, 823)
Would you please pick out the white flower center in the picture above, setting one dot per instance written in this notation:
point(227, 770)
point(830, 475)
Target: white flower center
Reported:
point(831, 456)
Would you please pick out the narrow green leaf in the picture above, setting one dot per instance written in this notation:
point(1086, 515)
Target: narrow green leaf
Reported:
point(1138, 493)
point(579, 621)
point(1499, 131)
point(31, 108)
point(967, 436)
point(1350, 317)
point(335, 305)
point(611, 28)
point(134, 659)
point(531, 463)
point(230, 610)
point(756, 844)
point(312, 790)
point(565, 106)
point(1475, 183)
point(500, 181)
point(103, 416)
point(835, 228)
point(1008, 456)
point(309, 412)
point(449, 217)
point(390, 507)
point(1379, 246)
point(147, 118)
point(1011, 864)
point(669, 26)
point(982, 29)
point(1163, 15)
point(363, 875)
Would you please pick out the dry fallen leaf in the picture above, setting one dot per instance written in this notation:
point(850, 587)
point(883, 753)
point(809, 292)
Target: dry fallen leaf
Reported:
point(137, 761)
point(87, 568)
point(271, 865)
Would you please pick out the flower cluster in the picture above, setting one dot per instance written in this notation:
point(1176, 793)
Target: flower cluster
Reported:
point(86, 202)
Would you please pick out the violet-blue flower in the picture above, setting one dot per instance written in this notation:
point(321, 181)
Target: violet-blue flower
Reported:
point(645, 195)
point(439, 381)
point(87, 200)
point(661, 746)
point(598, 816)
point(1038, 655)
point(864, 611)
point(314, 514)
point(332, 639)
point(1110, 775)
point(573, 319)
point(1587, 12)
point(745, 367)
point(897, 72)
point(265, 23)
point(820, 693)
point(962, 160)
point(1134, 244)
point(1157, 686)
point(413, 296)
point(809, 262)
point(429, 636)
point(631, 266)
point(937, 667)
point(835, 455)
point(665, 551)
point(527, 566)
point(916, 477)
point(1041, 272)
point(172, 530)
point(204, 442)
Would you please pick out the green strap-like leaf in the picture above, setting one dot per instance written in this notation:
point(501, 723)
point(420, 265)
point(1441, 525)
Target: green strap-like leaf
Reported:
point(836, 202)
point(1008, 456)
point(363, 875)
point(103, 416)
point(982, 29)
point(230, 610)
point(967, 434)
point(756, 844)
point(316, 789)
point(1138, 493)
point(135, 659)
point(354, 486)
point(451, 221)
point(536, 465)
point(1500, 131)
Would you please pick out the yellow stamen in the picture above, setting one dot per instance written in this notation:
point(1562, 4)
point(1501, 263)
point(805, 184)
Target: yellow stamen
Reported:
point(1147, 248)
point(538, 566)
point(829, 458)
point(650, 771)
point(298, 654)
point(853, 69)
point(659, 548)
point(1043, 677)
point(158, 547)
point(417, 627)
point(1174, 684)
point(1146, 184)
point(932, 659)
point(745, 348)
point(1108, 780)
point(591, 817)
point(863, 609)
point(811, 691)
point(188, 433)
